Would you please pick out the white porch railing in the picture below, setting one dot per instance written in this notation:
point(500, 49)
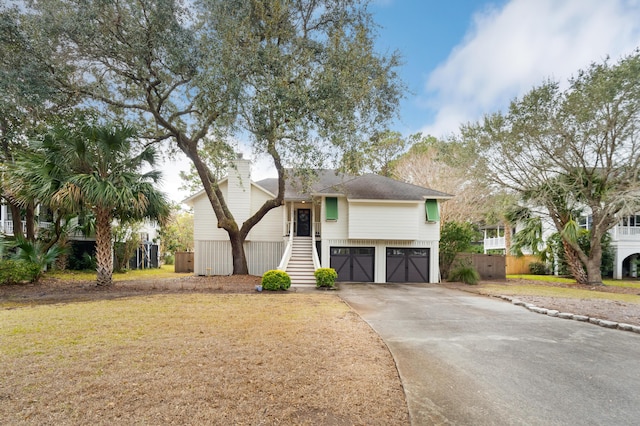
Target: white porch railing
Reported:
point(7, 226)
point(291, 228)
point(314, 251)
point(286, 256)
point(625, 233)
point(495, 243)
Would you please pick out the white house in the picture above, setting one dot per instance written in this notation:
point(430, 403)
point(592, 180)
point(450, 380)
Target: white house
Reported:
point(369, 228)
point(625, 242)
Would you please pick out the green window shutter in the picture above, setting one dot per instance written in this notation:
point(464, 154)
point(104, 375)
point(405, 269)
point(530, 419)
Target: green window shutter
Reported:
point(431, 207)
point(332, 208)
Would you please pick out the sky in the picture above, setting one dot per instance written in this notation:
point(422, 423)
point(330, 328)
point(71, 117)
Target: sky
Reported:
point(466, 58)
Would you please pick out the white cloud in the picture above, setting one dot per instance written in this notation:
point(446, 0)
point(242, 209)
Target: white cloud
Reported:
point(509, 50)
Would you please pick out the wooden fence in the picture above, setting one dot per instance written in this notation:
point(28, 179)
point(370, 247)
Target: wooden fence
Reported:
point(497, 266)
point(184, 261)
point(520, 265)
point(489, 266)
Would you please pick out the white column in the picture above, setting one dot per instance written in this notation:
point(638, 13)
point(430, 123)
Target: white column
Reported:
point(484, 242)
point(3, 217)
point(617, 266)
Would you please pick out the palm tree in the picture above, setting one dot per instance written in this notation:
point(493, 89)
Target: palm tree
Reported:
point(96, 168)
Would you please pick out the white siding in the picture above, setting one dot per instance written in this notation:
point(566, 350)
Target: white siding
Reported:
point(214, 257)
point(239, 190)
point(332, 229)
point(428, 230)
point(270, 228)
point(388, 221)
point(205, 223)
point(339, 229)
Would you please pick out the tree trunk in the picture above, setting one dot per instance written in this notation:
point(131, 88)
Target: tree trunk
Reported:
point(30, 220)
point(16, 218)
point(104, 255)
point(593, 263)
point(507, 237)
point(225, 218)
point(238, 254)
point(575, 265)
point(594, 275)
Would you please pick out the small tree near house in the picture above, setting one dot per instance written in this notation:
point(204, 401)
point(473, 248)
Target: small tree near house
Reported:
point(455, 237)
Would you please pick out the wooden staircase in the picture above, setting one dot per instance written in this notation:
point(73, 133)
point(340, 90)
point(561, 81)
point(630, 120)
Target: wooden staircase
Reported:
point(300, 267)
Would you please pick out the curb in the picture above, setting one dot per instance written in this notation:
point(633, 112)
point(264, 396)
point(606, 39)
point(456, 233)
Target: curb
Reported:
point(570, 316)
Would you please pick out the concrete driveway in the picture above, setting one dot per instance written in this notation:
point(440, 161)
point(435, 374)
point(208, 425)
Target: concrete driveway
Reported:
point(472, 360)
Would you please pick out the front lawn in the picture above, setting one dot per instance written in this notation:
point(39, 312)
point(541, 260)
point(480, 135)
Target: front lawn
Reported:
point(196, 359)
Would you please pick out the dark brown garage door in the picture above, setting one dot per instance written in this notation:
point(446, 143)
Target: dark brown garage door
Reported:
point(353, 263)
point(407, 265)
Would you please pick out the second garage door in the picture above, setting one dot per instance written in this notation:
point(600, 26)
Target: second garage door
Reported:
point(353, 263)
point(407, 265)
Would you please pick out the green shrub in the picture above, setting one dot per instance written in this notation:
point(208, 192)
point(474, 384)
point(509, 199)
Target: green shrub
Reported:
point(276, 280)
point(18, 271)
point(34, 252)
point(538, 268)
point(465, 273)
point(169, 259)
point(325, 277)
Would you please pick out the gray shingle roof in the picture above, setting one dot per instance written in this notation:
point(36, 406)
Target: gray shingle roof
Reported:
point(375, 187)
point(366, 187)
point(294, 186)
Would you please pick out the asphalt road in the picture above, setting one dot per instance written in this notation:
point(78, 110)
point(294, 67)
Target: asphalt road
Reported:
point(471, 360)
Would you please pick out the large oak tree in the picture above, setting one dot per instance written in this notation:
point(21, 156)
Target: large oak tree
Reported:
point(570, 150)
point(28, 100)
point(300, 77)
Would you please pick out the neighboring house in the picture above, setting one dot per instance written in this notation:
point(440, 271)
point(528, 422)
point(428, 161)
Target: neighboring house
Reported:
point(146, 256)
point(494, 238)
point(369, 228)
point(6, 221)
point(625, 242)
point(43, 221)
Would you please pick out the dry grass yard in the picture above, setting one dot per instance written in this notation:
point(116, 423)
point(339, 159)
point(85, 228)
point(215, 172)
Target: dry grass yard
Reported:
point(188, 357)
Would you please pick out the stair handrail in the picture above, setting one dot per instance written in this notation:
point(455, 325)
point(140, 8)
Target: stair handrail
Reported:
point(314, 252)
point(288, 250)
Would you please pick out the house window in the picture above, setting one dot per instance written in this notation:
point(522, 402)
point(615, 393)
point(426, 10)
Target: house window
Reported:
point(585, 222)
point(332, 208)
point(431, 207)
point(633, 221)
